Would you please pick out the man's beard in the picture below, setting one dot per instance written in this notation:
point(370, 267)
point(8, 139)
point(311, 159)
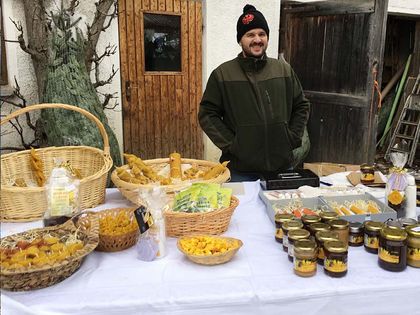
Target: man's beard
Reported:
point(249, 53)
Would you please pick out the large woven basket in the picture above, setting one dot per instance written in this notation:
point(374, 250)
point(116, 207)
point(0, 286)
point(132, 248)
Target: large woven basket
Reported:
point(115, 243)
point(29, 278)
point(132, 191)
point(19, 204)
point(212, 222)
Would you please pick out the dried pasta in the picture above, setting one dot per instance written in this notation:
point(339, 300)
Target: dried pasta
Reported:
point(37, 167)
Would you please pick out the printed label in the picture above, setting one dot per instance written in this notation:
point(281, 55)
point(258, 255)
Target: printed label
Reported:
point(371, 242)
point(335, 265)
point(413, 253)
point(304, 265)
point(388, 256)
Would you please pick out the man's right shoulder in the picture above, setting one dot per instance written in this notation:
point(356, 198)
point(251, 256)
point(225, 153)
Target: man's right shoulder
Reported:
point(228, 69)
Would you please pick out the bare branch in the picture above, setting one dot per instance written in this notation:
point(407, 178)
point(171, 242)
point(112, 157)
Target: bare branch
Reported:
point(21, 41)
point(107, 98)
point(72, 7)
point(99, 83)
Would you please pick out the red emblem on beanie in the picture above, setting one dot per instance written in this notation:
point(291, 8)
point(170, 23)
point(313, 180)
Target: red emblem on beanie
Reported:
point(248, 18)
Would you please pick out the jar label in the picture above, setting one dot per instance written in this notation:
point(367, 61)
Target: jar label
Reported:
point(356, 239)
point(279, 233)
point(371, 242)
point(388, 256)
point(290, 248)
point(416, 229)
point(285, 240)
point(413, 253)
point(305, 265)
point(335, 265)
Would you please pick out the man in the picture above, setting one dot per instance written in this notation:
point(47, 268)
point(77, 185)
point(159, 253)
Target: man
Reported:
point(253, 107)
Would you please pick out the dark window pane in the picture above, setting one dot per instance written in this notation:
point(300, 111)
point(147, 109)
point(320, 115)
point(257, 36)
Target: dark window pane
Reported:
point(162, 42)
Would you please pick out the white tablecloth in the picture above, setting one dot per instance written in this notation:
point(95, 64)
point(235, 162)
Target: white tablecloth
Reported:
point(259, 280)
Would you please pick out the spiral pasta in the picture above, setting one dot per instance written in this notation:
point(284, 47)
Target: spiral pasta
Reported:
point(37, 167)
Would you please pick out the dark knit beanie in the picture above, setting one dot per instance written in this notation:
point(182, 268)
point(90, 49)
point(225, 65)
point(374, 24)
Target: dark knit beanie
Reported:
point(250, 19)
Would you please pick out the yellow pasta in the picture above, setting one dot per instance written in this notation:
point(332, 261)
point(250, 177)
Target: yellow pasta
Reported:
point(216, 170)
point(37, 167)
point(175, 165)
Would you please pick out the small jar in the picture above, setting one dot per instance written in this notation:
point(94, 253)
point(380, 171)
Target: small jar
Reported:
point(342, 227)
point(304, 258)
point(279, 219)
point(292, 237)
point(367, 174)
point(392, 252)
point(289, 226)
point(371, 239)
point(321, 237)
point(328, 215)
point(413, 242)
point(335, 262)
point(319, 226)
point(406, 222)
point(356, 234)
point(308, 219)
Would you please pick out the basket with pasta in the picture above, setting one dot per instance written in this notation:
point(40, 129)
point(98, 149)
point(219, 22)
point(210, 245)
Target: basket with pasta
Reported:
point(24, 173)
point(172, 174)
point(42, 257)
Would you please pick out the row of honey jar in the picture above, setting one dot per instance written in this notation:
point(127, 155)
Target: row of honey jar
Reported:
point(369, 234)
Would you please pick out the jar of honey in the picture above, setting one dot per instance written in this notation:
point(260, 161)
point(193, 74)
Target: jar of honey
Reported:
point(335, 262)
point(371, 237)
point(308, 219)
point(289, 226)
point(392, 252)
point(292, 237)
point(367, 174)
point(413, 249)
point(279, 219)
point(342, 228)
point(356, 234)
point(321, 237)
point(328, 215)
point(304, 258)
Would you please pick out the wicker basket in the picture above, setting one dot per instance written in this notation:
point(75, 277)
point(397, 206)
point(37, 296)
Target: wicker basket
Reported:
point(35, 278)
point(213, 222)
point(214, 259)
point(18, 204)
point(115, 243)
point(131, 191)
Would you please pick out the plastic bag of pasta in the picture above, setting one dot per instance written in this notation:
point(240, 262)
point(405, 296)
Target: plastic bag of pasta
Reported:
point(397, 183)
point(62, 191)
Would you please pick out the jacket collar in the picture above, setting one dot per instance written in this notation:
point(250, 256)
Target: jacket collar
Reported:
point(251, 64)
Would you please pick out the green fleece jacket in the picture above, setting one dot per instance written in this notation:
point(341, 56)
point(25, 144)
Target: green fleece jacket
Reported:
point(255, 111)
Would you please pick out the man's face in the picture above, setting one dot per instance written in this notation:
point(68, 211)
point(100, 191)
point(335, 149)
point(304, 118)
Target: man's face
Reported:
point(254, 43)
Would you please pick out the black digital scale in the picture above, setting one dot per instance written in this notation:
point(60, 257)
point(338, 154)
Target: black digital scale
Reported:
point(289, 180)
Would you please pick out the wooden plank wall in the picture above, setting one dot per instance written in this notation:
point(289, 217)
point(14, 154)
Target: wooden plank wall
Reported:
point(161, 115)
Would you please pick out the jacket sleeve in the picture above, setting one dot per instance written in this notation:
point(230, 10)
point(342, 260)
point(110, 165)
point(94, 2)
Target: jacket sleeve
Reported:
point(211, 112)
point(300, 113)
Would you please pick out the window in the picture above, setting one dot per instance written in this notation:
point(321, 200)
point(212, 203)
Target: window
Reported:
point(162, 42)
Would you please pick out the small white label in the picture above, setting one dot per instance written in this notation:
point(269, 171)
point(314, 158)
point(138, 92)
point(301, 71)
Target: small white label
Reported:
point(416, 229)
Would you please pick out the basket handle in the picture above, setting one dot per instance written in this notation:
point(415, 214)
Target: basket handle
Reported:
point(63, 106)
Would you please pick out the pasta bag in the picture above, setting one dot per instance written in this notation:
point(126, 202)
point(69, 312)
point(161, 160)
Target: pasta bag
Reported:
point(62, 191)
point(397, 183)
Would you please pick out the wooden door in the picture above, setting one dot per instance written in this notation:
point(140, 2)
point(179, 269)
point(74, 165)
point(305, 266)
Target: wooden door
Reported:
point(160, 103)
point(335, 47)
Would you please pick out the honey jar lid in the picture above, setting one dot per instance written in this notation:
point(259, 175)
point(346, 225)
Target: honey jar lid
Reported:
point(305, 245)
point(283, 217)
point(367, 168)
point(292, 225)
point(310, 218)
point(339, 224)
point(413, 230)
point(335, 246)
point(393, 234)
point(328, 215)
point(373, 226)
point(298, 234)
point(356, 227)
point(323, 236)
point(319, 226)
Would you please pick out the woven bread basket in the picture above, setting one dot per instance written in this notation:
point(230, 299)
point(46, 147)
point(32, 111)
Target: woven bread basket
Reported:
point(213, 222)
point(132, 191)
point(29, 278)
point(215, 259)
point(18, 204)
point(115, 243)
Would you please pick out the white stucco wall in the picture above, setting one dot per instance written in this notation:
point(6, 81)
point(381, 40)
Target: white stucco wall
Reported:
point(19, 65)
point(219, 39)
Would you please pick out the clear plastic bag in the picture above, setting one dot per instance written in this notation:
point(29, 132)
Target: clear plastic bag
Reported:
point(397, 183)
